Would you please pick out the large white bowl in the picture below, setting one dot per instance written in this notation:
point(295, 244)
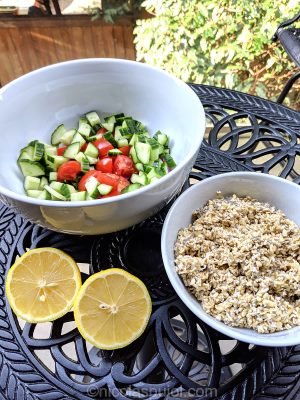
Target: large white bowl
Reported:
point(278, 192)
point(33, 105)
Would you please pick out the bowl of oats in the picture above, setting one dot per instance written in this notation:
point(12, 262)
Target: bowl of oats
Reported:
point(231, 249)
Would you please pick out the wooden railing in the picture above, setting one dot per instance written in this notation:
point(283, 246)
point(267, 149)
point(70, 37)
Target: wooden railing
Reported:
point(27, 43)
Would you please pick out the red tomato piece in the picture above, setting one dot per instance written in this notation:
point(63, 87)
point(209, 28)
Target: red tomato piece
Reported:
point(103, 146)
point(84, 146)
point(125, 150)
point(60, 151)
point(124, 166)
point(82, 182)
point(105, 165)
point(101, 130)
point(68, 171)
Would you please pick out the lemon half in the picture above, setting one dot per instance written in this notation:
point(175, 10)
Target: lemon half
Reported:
point(112, 309)
point(42, 284)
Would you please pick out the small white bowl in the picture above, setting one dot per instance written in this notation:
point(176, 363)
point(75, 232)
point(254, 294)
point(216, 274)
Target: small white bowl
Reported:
point(278, 192)
point(33, 105)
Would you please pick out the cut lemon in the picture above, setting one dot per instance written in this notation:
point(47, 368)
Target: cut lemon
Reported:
point(112, 309)
point(42, 285)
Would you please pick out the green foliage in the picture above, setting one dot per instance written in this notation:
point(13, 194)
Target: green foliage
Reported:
point(111, 9)
point(220, 42)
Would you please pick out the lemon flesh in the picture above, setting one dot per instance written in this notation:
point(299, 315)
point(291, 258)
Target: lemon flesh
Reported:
point(112, 309)
point(42, 285)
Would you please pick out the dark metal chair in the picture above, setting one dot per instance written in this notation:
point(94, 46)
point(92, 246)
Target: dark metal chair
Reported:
point(289, 38)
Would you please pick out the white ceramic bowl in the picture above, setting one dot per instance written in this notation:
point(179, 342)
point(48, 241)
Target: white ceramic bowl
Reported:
point(33, 105)
point(281, 193)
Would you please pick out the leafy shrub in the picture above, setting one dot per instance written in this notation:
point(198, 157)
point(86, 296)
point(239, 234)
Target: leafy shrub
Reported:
point(220, 42)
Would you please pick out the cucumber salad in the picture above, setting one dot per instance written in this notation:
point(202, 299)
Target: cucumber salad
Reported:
point(99, 159)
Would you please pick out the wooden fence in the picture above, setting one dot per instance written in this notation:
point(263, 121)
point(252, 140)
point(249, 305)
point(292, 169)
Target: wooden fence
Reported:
point(27, 43)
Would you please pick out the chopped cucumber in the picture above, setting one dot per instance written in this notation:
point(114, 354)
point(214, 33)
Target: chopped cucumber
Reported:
point(110, 137)
point(133, 155)
point(130, 188)
point(93, 118)
point(139, 167)
point(92, 160)
point(133, 139)
point(78, 138)
point(92, 187)
point(141, 178)
point(31, 168)
point(91, 151)
point(59, 160)
point(44, 195)
point(78, 196)
point(110, 119)
point(114, 152)
point(72, 150)
point(104, 189)
point(38, 151)
point(52, 176)
point(154, 153)
point(122, 142)
point(84, 129)
point(161, 138)
point(57, 134)
point(56, 185)
point(108, 125)
point(68, 136)
point(143, 152)
point(34, 193)
point(170, 161)
point(32, 183)
point(82, 158)
point(118, 134)
point(54, 194)
point(43, 182)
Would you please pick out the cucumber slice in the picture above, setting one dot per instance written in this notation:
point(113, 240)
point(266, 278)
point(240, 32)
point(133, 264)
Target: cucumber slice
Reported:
point(31, 168)
point(57, 134)
point(82, 158)
point(139, 167)
point(52, 176)
point(66, 190)
point(114, 152)
point(92, 187)
point(104, 189)
point(130, 188)
point(143, 152)
point(91, 151)
point(72, 150)
point(170, 161)
point(34, 193)
point(122, 142)
point(68, 136)
point(92, 160)
point(141, 178)
point(154, 153)
point(38, 151)
point(155, 172)
point(43, 182)
point(111, 119)
point(133, 155)
point(161, 138)
point(59, 160)
point(84, 129)
point(109, 136)
point(118, 134)
point(93, 118)
point(31, 183)
point(44, 195)
point(54, 194)
point(108, 125)
point(78, 138)
point(56, 185)
point(78, 196)
point(93, 138)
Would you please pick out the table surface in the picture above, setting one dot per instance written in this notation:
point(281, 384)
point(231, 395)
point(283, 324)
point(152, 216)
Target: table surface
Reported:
point(178, 355)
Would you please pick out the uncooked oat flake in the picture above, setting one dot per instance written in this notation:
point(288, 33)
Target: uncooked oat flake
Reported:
point(241, 259)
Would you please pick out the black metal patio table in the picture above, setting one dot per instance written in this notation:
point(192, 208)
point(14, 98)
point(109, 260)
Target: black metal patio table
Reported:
point(178, 356)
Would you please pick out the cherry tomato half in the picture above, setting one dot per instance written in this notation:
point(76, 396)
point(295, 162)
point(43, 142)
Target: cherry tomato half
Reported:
point(117, 182)
point(125, 150)
point(68, 171)
point(124, 166)
point(103, 146)
point(101, 130)
point(105, 165)
point(60, 150)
